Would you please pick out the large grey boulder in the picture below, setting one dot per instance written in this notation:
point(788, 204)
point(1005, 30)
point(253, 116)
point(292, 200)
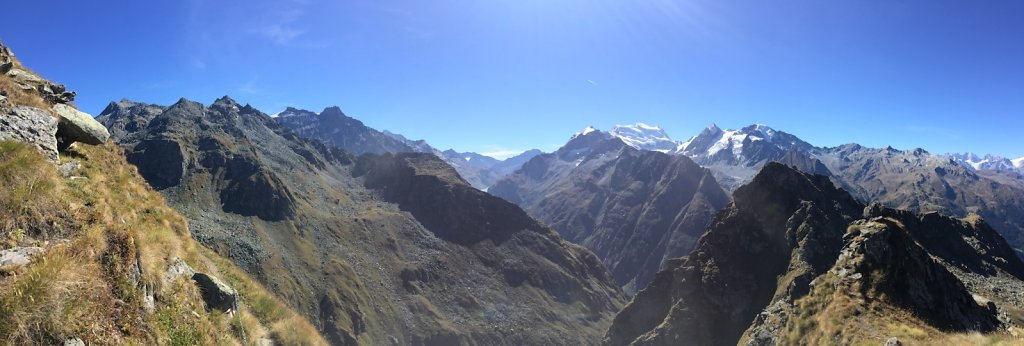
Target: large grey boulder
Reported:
point(78, 126)
point(19, 256)
point(217, 294)
point(30, 125)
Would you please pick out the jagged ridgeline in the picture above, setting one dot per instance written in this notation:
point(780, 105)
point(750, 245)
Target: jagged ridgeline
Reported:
point(90, 254)
point(794, 260)
point(376, 249)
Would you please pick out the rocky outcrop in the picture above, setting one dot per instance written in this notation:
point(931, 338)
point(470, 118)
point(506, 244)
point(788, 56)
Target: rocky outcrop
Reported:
point(40, 115)
point(77, 126)
point(634, 209)
point(18, 256)
point(881, 260)
point(217, 294)
point(30, 125)
point(27, 81)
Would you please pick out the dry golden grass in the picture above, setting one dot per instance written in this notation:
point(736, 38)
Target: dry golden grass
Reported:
point(831, 316)
point(15, 95)
point(83, 287)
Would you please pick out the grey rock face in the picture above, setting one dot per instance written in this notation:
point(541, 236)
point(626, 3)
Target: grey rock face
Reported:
point(18, 256)
point(30, 125)
point(74, 342)
point(78, 126)
point(217, 294)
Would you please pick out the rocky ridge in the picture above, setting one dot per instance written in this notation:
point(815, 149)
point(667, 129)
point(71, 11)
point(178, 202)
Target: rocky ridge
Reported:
point(793, 255)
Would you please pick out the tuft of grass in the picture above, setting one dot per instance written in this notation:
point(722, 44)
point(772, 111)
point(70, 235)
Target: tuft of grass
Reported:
point(31, 195)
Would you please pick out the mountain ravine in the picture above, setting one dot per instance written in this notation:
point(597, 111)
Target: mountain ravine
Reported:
point(375, 249)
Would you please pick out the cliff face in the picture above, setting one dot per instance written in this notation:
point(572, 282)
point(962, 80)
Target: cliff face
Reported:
point(635, 209)
point(375, 249)
point(772, 264)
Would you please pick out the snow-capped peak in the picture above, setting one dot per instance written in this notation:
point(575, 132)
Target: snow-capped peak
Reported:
point(644, 137)
point(1018, 162)
point(584, 132)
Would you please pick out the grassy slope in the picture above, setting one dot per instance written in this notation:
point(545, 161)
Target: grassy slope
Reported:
point(93, 229)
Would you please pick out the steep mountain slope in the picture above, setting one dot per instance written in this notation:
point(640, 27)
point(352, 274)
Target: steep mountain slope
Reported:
point(788, 262)
point(635, 209)
point(332, 127)
point(378, 249)
point(90, 254)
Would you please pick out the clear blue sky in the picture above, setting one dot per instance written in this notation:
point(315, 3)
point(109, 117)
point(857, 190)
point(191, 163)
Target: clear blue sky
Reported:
point(500, 75)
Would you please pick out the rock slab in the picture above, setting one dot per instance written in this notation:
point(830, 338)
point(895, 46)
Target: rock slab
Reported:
point(217, 294)
point(78, 126)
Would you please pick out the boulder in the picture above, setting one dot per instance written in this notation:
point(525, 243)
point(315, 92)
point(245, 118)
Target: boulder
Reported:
point(74, 342)
point(30, 125)
point(78, 126)
point(178, 268)
point(19, 256)
point(217, 294)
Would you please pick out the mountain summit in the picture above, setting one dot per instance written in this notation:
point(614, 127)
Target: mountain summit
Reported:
point(644, 137)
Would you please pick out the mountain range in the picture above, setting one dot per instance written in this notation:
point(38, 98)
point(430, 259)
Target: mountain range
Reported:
point(193, 224)
point(334, 128)
point(907, 179)
point(373, 249)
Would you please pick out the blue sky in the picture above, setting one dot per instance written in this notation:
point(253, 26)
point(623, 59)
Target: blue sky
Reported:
point(500, 76)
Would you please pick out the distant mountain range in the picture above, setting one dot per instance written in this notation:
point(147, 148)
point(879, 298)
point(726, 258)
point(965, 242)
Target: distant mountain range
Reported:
point(334, 128)
point(989, 162)
point(957, 185)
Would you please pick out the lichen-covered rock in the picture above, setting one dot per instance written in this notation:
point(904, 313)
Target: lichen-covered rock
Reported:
point(217, 294)
point(30, 125)
point(78, 126)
